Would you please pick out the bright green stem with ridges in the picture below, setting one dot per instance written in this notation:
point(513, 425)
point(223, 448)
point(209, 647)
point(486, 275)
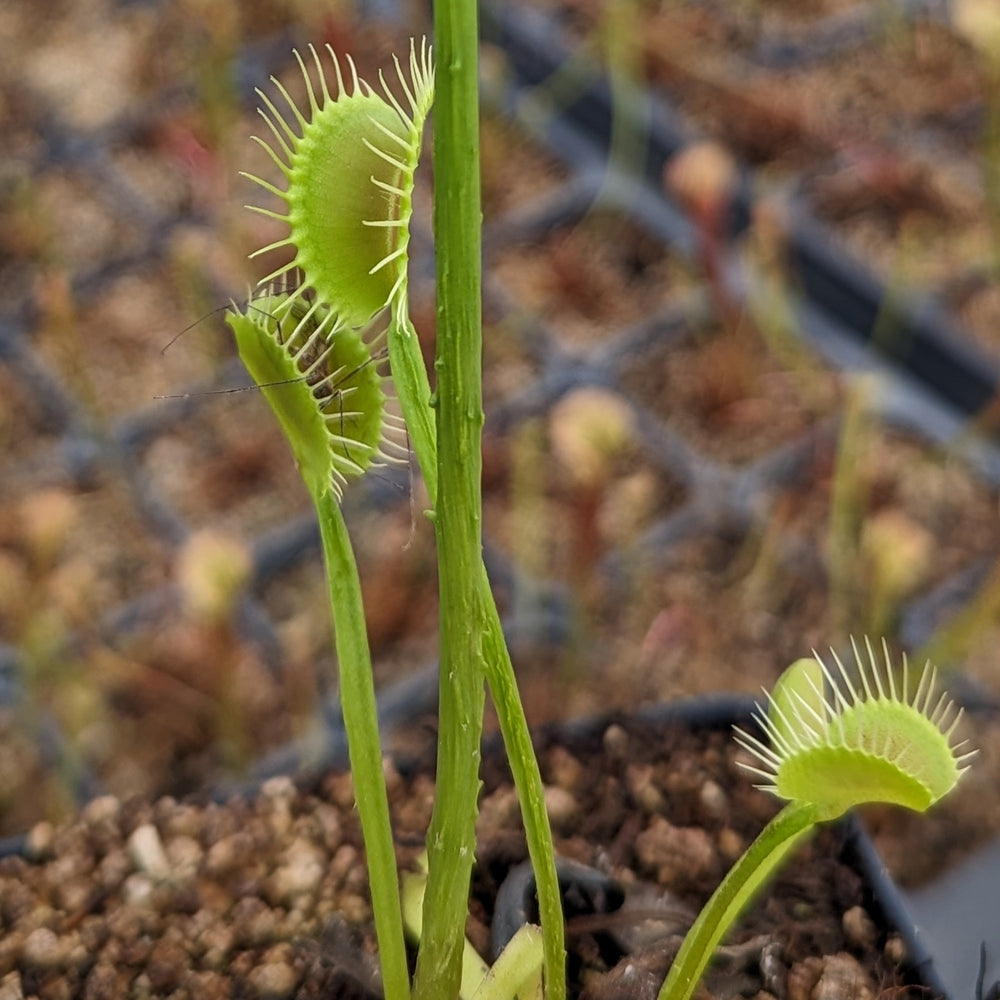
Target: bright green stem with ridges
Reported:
point(472, 639)
point(451, 839)
point(413, 389)
point(530, 792)
point(735, 892)
point(357, 698)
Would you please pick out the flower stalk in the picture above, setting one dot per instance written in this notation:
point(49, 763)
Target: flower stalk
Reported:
point(458, 507)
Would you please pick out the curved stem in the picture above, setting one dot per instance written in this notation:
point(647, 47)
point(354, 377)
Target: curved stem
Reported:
point(734, 893)
point(413, 389)
point(357, 699)
point(409, 376)
point(530, 790)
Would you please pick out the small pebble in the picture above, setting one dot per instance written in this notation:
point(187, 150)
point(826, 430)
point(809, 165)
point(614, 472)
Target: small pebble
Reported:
point(345, 861)
point(104, 982)
point(680, 856)
point(208, 986)
point(103, 809)
point(10, 950)
point(616, 741)
point(772, 969)
point(184, 855)
point(102, 819)
point(564, 769)
point(714, 799)
point(55, 988)
point(301, 873)
point(274, 981)
point(842, 978)
point(643, 789)
point(803, 977)
point(562, 807)
point(183, 821)
point(10, 987)
point(329, 822)
point(228, 854)
point(253, 922)
point(78, 955)
point(114, 868)
point(217, 941)
point(40, 842)
point(166, 965)
point(17, 900)
point(137, 890)
point(731, 844)
point(73, 895)
point(859, 928)
point(43, 949)
point(276, 798)
point(498, 811)
point(146, 851)
point(896, 950)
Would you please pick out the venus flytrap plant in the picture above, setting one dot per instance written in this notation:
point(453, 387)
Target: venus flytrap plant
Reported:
point(833, 742)
point(321, 381)
point(348, 221)
point(349, 165)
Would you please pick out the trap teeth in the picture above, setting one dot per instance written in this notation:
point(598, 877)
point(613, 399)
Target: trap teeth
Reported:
point(323, 383)
point(347, 215)
point(838, 740)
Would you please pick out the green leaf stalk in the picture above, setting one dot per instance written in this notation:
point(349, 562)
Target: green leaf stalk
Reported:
point(833, 743)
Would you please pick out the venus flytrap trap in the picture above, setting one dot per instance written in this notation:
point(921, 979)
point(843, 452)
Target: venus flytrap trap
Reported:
point(339, 427)
point(348, 208)
point(349, 162)
point(349, 196)
point(833, 743)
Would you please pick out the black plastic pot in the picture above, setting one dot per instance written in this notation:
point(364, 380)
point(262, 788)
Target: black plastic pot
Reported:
point(594, 893)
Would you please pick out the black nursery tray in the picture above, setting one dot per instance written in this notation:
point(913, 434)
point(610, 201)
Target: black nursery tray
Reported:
point(840, 296)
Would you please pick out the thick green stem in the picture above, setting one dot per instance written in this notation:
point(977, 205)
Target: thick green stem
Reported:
point(357, 698)
point(734, 893)
point(457, 232)
point(451, 839)
point(456, 157)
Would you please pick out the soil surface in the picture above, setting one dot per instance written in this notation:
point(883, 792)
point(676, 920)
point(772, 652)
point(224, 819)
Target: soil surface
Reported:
point(267, 898)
